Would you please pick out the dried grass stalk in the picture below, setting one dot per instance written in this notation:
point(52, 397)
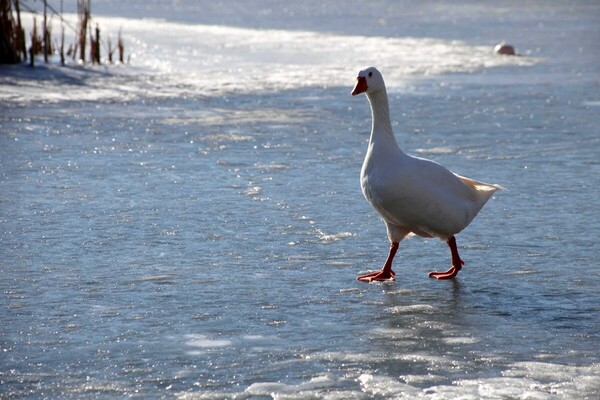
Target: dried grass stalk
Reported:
point(83, 13)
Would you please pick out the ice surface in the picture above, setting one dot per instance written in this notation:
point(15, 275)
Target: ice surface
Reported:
point(168, 59)
point(190, 224)
point(202, 341)
point(582, 384)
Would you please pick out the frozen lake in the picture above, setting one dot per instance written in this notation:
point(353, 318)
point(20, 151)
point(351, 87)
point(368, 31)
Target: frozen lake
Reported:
point(191, 225)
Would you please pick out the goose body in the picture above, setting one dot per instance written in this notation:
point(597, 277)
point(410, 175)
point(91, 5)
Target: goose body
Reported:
point(412, 194)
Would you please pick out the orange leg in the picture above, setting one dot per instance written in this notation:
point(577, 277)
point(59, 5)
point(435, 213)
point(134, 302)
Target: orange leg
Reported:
point(457, 263)
point(386, 273)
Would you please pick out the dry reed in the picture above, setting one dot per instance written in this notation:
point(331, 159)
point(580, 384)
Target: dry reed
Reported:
point(13, 48)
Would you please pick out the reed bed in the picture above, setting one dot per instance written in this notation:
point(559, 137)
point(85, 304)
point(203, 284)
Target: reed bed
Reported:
point(86, 48)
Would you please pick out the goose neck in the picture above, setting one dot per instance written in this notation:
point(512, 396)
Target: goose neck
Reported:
point(380, 111)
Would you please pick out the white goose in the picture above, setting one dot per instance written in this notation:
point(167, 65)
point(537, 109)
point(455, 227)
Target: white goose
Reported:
point(413, 195)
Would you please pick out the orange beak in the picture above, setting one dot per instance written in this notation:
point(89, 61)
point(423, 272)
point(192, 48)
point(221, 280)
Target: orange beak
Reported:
point(361, 86)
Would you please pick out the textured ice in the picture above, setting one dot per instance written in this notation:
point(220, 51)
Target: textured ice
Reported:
point(333, 237)
point(170, 59)
point(437, 150)
point(413, 308)
point(582, 384)
point(395, 332)
point(138, 263)
point(460, 340)
point(203, 341)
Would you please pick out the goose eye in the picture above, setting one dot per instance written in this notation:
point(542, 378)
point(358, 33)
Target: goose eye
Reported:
point(370, 74)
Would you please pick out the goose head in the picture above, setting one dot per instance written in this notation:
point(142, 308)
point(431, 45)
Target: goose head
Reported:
point(369, 80)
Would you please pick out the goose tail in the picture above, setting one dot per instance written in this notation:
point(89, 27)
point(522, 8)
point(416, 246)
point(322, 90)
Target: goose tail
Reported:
point(484, 190)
